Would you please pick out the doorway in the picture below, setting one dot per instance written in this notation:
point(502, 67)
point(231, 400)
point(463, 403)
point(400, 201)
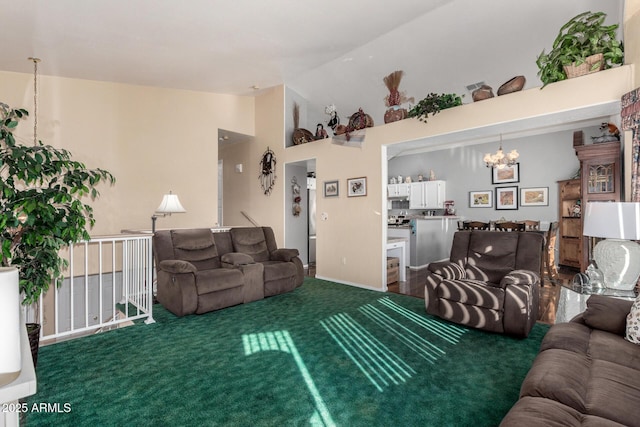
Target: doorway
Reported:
point(300, 230)
point(220, 221)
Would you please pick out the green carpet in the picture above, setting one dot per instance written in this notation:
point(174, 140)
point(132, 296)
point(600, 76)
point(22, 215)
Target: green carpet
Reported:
point(325, 354)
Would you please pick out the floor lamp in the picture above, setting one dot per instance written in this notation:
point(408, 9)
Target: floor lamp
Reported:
point(617, 256)
point(170, 204)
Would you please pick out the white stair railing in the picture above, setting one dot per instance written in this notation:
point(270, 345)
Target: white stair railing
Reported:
point(108, 284)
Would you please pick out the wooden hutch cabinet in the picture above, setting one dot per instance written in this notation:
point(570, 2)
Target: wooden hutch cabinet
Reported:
point(600, 180)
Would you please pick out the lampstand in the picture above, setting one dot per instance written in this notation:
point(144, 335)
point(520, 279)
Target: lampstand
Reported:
point(618, 257)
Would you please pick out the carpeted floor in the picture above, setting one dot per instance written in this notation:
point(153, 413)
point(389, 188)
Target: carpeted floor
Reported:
point(325, 354)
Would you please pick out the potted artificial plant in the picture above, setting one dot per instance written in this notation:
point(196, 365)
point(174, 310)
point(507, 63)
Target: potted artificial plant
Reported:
point(42, 207)
point(434, 103)
point(583, 45)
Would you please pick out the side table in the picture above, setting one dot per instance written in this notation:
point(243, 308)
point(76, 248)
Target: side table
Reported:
point(573, 299)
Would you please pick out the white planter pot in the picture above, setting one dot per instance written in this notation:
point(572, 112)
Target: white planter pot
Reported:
point(10, 358)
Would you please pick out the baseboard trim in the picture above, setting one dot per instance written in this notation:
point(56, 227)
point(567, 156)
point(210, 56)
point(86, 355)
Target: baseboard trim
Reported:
point(344, 282)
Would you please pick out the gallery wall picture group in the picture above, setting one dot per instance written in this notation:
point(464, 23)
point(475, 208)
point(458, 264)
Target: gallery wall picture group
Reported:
point(356, 187)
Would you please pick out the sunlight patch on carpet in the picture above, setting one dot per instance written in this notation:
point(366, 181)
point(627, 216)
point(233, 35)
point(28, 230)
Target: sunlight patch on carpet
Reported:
point(448, 332)
point(415, 342)
point(376, 361)
point(281, 341)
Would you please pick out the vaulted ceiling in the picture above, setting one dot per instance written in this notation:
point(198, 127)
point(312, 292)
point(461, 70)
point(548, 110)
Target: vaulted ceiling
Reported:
point(329, 52)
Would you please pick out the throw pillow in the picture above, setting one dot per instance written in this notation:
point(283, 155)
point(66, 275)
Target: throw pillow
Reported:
point(633, 323)
point(607, 314)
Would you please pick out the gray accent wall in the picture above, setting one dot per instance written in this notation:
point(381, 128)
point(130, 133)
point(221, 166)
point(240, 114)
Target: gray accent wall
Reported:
point(544, 160)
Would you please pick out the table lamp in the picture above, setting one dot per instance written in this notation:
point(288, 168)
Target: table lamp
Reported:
point(617, 256)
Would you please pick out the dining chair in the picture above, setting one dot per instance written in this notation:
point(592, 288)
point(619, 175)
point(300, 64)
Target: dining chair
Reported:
point(475, 225)
point(530, 225)
point(510, 226)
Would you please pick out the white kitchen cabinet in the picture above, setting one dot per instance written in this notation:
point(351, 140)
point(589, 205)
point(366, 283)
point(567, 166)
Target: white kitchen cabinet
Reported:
point(427, 195)
point(395, 191)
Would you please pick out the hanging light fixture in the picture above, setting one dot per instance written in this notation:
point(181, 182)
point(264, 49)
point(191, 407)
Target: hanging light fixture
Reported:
point(500, 160)
point(35, 98)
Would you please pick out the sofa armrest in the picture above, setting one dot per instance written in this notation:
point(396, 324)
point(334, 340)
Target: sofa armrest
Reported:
point(284, 254)
point(233, 259)
point(177, 266)
point(520, 277)
point(447, 270)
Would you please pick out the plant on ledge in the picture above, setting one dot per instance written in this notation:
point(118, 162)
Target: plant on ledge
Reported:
point(577, 43)
point(433, 104)
point(41, 206)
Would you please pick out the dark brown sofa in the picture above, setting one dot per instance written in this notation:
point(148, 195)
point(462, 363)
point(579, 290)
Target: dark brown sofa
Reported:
point(200, 271)
point(586, 373)
point(490, 282)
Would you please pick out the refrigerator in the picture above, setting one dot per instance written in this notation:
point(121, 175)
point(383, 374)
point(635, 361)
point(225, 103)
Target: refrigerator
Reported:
point(311, 200)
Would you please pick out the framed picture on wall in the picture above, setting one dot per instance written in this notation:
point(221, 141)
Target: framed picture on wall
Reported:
point(506, 198)
point(535, 196)
point(481, 199)
point(331, 188)
point(356, 187)
point(506, 174)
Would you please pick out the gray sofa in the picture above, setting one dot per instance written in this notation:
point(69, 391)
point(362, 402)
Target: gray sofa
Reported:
point(490, 282)
point(200, 271)
point(586, 373)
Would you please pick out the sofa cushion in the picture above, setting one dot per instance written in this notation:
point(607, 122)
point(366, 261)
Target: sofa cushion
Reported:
point(559, 375)
point(218, 279)
point(472, 292)
point(541, 412)
point(471, 315)
point(607, 314)
point(196, 246)
point(491, 255)
point(250, 241)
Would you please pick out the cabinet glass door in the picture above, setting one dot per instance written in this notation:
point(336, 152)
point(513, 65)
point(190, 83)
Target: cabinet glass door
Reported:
point(601, 179)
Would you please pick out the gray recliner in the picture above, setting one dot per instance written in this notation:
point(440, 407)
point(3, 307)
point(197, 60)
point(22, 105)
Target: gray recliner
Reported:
point(490, 282)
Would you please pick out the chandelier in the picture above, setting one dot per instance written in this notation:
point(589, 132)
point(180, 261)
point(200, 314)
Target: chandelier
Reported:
point(500, 160)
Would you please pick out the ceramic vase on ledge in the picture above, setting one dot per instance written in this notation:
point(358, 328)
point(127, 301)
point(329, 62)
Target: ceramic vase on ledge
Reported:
point(10, 324)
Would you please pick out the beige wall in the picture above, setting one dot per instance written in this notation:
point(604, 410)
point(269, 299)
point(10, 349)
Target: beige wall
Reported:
point(153, 140)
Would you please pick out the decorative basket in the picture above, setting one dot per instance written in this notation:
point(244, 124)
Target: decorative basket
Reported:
point(359, 120)
point(301, 136)
point(587, 67)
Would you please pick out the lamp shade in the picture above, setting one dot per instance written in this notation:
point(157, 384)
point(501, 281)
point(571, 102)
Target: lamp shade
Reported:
point(170, 204)
point(612, 220)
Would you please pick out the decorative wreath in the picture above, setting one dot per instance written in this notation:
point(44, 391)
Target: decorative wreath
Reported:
point(267, 175)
